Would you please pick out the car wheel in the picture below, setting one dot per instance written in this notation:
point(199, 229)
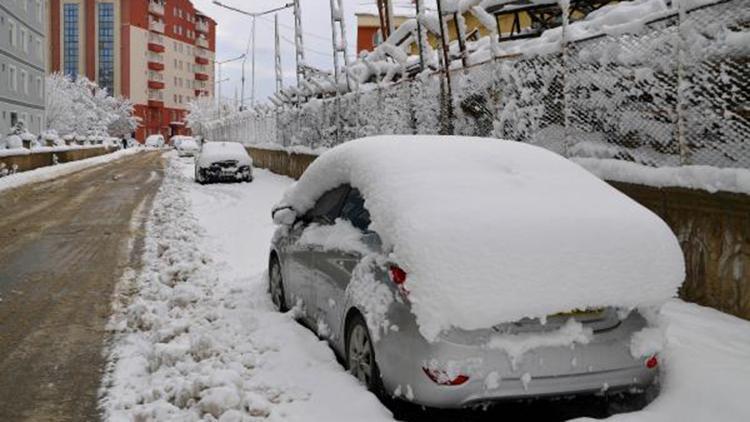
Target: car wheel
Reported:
point(276, 286)
point(360, 355)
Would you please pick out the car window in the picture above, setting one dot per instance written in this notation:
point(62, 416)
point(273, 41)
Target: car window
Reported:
point(354, 210)
point(327, 207)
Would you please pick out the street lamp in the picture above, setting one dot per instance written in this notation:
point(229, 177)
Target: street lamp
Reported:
point(219, 80)
point(252, 15)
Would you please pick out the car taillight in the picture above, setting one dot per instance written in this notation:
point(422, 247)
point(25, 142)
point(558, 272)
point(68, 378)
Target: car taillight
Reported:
point(441, 377)
point(398, 275)
point(652, 362)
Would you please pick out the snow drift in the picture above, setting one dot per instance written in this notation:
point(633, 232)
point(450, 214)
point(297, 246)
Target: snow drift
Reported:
point(494, 231)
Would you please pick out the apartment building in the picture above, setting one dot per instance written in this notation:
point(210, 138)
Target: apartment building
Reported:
point(22, 58)
point(158, 53)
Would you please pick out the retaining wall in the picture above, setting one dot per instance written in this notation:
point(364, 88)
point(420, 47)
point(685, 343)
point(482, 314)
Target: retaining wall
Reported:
point(36, 160)
point(713, 229)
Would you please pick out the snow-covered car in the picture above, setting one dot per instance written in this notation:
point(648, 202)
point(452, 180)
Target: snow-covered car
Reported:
point(460, 271)
point(155, 141)
point(223, 162)
point(187, 147)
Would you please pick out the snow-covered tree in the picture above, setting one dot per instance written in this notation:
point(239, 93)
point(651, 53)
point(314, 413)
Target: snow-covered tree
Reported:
point(80, 107)
point(201, 111)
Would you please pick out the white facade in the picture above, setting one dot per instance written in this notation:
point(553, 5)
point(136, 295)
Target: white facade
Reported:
point(22, 64)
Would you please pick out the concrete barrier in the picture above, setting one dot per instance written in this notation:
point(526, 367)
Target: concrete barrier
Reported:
point(36, 160)
point(713, 229)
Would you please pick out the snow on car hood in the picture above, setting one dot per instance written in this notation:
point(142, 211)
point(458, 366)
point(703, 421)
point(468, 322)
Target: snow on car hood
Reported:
point(493, 231)
point(221, 151)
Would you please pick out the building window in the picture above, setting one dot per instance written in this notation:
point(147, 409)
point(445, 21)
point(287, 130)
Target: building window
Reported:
point(107, 47)
point(70, 39)
point(22, 38)
point(25, 82)
point(12, 81)
point(12, 33)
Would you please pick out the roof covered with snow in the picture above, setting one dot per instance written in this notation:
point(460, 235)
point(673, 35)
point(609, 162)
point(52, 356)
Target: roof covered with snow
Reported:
point(221, 151)
point(492, 231)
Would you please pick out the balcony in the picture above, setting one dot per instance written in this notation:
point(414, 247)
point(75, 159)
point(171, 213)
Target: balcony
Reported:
point(156, 7)
point(155, 61)
point(155, 85)
point(201, 76)
point(155, 98)
point(201, 92)
point(201, 60)
point(156, 48)
point(155, 38)
point(155, 76)
point(201, 42)
point(202, 54)
point(155, 25)
point(201, 26)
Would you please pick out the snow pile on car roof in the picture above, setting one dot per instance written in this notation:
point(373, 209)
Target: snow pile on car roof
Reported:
point(493, 231)
point(221, 151)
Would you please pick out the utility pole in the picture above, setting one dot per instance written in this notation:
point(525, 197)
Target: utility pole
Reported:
point(299, 46)
point(447, 97)
point(385, 13)
point(444, 44)
point(277, 58)
point(254, 16)
point(338, 40)
point(420, 34)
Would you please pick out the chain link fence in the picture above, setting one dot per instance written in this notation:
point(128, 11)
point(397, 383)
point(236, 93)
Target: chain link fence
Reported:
point(673, 91)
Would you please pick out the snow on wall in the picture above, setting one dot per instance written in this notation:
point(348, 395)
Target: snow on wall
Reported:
point(636, 79)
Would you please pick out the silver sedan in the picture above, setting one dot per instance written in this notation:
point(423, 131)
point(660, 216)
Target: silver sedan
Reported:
point(458, 369)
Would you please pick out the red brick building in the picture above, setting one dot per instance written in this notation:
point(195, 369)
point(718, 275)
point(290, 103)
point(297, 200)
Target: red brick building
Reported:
point(158, 53)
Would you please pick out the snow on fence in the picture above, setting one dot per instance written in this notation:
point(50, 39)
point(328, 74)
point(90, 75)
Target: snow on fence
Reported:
point(672, 91)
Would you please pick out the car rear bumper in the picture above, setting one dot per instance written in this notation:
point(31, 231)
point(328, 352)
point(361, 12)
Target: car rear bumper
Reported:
point(602, 366)
point(219, 174)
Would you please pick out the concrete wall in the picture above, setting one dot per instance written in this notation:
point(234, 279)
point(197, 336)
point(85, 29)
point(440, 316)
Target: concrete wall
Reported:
point(713, 228)
point(42, 159)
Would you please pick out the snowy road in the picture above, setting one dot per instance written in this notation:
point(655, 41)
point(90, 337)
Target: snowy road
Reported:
point(197, 336)
point(63, 245)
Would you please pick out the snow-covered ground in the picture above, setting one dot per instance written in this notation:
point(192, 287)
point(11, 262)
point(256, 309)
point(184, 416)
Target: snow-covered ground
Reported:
point(199, 336)
point(196, 337)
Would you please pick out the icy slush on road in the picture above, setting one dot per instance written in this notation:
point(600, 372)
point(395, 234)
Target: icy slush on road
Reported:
point(515, 274)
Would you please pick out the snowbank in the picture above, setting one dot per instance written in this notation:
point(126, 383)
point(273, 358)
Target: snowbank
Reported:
point(491, 231)
point(199, 338)
point(705, 367)
point(711, 179)
point(60, 148)
point(51, 172)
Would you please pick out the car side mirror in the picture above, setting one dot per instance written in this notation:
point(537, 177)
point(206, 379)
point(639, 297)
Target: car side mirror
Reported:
point(372, 240)
point(285, 216)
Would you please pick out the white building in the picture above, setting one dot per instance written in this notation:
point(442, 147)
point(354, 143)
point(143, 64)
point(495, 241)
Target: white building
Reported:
point(22, 64)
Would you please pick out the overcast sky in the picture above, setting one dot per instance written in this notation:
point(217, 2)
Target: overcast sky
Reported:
point(234, 31)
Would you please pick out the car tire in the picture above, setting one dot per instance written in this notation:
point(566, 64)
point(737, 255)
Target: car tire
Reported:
point(276, 285)
point(360, 355)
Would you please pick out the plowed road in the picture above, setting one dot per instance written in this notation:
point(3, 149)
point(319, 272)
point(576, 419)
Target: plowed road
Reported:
point(63, 246)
